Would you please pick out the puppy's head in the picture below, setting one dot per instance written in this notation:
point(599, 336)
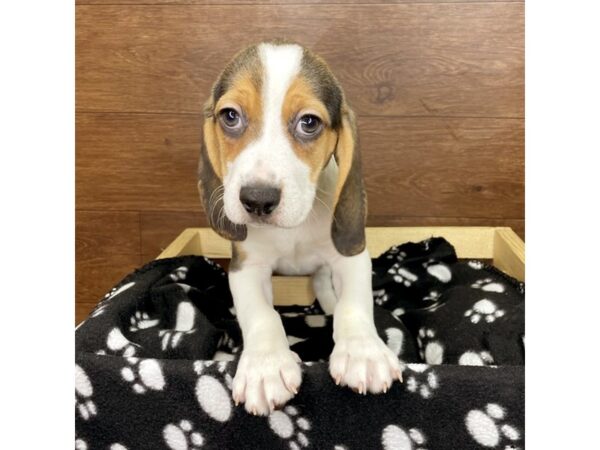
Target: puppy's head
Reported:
point(274, 119)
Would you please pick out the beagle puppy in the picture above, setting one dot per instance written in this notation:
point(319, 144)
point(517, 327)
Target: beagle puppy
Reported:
point(280, 177)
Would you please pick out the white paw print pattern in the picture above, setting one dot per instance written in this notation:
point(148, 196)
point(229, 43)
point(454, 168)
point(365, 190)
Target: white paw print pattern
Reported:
point(141, 320)
point(395, 253)
point(288, 425)
point(433, 296)
point(430, 349)
point(438, 270)
point(380, 296)
point(182, 436)
point(396, 438)
point(143, 375)
point(118, 343)
point(423, 380)
point(171, 338)
point(401, 275)
point(487, 429)
point(472, 358)
point(179, 274)
point(214, 395)
point(397, 313)
point(488, 285)
point(477, 265)
point(394, 339)
point(484, 309)
point(83, 395)
point(80, 444)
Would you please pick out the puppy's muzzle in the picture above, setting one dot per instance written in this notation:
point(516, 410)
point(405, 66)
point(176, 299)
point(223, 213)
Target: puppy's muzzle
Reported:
point(260, 200)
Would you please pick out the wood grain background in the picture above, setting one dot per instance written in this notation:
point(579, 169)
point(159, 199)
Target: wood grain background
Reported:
point(437, 86)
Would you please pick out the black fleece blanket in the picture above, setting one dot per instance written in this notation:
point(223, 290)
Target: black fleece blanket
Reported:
point(155, 361)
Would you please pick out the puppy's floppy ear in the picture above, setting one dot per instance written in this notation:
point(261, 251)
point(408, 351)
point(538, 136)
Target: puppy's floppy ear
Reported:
point(210, 186)
point(349, 216)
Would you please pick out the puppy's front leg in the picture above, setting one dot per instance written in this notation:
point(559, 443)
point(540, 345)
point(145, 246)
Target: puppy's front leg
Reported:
point(360, 359)
point(268, 374)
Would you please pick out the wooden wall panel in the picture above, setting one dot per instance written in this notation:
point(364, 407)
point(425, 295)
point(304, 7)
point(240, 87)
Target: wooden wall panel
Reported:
point(443, 167)
point(437, 85)
point(442, 59)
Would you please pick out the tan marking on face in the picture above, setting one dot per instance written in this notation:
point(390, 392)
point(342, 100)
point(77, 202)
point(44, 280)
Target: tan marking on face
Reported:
point(314, 153)
point(238, 256)
point(223, 148)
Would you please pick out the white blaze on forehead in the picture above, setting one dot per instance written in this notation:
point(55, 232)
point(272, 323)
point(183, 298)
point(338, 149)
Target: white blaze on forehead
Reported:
point(281, 65)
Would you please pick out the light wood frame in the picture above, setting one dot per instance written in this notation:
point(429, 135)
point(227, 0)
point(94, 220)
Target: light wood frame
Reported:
point(499, 244)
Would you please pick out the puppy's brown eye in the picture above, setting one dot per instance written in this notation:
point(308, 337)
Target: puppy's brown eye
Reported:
point(231, 120)
point(308, 126)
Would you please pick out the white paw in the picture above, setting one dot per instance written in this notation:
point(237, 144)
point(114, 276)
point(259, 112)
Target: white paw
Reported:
point(290, 427)
point(143, 375)
point(265, 380)
point(364, 363)
point(423, 380)
point(484, 309)
point(395, 438)
point(474, 264)
point(141, 320)
point(116, 342)
point(488, 285)
point(182, 436)
point(83, 394)
point(430, 349)
point(485, 427)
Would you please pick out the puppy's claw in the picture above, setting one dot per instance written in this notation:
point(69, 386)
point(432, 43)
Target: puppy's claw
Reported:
point(385, 388)
point(338, 379)
point(398, 375)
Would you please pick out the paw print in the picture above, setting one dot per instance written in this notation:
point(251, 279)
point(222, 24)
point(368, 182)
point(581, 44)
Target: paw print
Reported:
point(380, 296)
point(394, 340)
point(288, 426)
point(395, 253)
point(214, 394)
point(182, 436)
point(438, 270)
point(484, 309)
point(488, 285)
point(423, 380)
point(116, 342)
point(487, 430)
point(143, 375)
point(141, 321)
point(395, 438)
point(430, 349)
point(471, 358)
point(179, 274)
point(171, 338)
point(401, 275)
point(83, 395)
point(396, 313)
point(474, 264)
point(80, 444)
point(433, 296)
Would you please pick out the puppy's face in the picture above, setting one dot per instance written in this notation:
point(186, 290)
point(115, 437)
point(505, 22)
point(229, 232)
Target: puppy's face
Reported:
point(275, 117)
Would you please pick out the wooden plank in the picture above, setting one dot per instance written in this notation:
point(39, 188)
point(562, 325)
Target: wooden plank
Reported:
point(96, 275)
point(273, 2)
point(160, 228)
point(433, 59)
point(509, 253)
point(413, 167)
point(469, 242)
point(82, 310)
point(105, 233)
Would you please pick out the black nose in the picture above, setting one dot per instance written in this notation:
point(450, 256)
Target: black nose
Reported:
point(260, 200)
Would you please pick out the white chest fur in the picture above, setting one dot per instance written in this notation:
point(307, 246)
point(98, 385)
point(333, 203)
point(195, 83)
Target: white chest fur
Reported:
point(303, 249)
